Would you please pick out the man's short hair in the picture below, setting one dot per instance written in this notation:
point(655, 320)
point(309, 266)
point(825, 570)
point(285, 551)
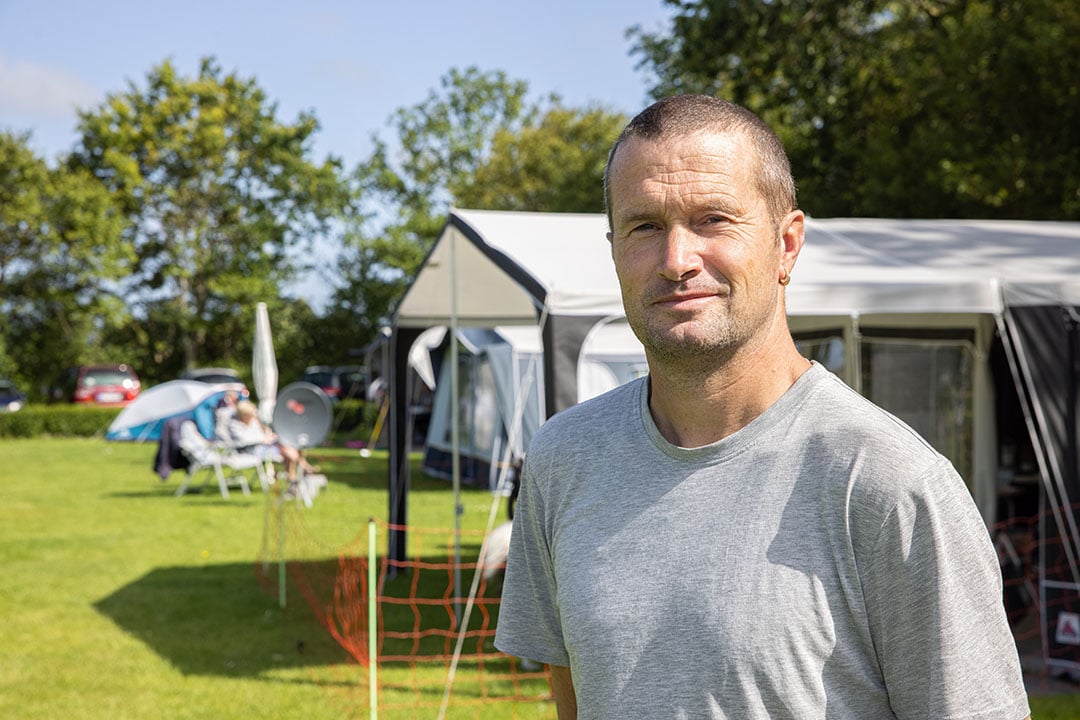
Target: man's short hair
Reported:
point(682, 115)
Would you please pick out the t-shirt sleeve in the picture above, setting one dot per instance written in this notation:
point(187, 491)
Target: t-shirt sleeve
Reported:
point(529, 625)
point(933, 594)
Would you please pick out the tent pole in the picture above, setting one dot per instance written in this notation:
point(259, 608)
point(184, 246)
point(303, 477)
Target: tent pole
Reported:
point(856, 355)
point(455, 429)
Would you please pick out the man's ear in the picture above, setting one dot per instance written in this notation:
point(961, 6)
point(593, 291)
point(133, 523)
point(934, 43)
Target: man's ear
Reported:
point(792, 236)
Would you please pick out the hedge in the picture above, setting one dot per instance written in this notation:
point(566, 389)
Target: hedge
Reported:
point(57, 420)
point(351, 418)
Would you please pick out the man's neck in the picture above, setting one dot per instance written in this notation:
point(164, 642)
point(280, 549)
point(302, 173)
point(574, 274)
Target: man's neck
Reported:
point(695, 406)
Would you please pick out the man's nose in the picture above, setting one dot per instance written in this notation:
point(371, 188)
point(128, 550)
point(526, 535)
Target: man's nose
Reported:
point(682, 254)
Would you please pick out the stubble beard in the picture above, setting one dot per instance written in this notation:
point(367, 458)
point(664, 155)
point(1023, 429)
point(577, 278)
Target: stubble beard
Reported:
point(692, 344)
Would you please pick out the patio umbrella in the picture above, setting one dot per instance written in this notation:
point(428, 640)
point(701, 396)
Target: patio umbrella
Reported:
point(264, 365)
point(144, 416)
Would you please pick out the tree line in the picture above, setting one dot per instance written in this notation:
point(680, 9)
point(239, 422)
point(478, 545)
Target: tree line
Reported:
point(187, 200)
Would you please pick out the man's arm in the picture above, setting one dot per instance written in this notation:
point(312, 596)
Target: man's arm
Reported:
point(562, 687)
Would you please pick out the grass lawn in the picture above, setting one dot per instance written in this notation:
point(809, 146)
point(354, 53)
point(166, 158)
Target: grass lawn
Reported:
point(121, 601)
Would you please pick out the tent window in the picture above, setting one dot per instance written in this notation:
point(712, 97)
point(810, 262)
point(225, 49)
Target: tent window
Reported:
point(826, 348)
point(476, 403)
point(927, 383)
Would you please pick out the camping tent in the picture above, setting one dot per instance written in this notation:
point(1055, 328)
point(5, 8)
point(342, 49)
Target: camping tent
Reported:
point(965, 329)
point(501, 393)
point(495, 269)
point(881, 298)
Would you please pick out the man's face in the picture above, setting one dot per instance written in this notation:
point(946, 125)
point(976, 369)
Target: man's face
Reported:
point(697, 255)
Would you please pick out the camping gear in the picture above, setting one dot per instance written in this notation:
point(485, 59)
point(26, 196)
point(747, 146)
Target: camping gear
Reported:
point(302, 418)
point(898, 308)
point(211, 457)
point(501, 393)
point(967, 330)
point(144, 416)
point(264, 370)
point(302, 415)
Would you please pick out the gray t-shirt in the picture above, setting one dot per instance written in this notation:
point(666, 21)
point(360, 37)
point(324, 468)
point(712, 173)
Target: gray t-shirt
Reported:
point(822, 562)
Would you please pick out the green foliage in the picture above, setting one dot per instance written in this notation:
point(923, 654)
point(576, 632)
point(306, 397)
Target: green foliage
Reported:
point(477, 142)
point(61, 256)
point(221, 199)
point(407, 188)
point(351, 417)
point(186, 201)
point(554, 165)
point(57, 421)
point(896, 109)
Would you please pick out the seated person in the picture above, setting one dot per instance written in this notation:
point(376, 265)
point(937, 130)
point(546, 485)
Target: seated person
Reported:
point(247, 431)
point(223, 414)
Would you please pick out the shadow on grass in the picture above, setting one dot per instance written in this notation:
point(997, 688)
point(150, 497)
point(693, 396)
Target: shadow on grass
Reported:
point(217, 620)
point(225, 619)
point(349, 468)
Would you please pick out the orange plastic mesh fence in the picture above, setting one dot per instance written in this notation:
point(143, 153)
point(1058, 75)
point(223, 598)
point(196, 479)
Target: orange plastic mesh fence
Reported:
point(1035, 560)
point(419, 610)
point(422, 617)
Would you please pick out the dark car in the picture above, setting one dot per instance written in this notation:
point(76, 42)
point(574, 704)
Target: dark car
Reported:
point(111, 385)
point(11, 398)
point(218, 376)
point(338, 382)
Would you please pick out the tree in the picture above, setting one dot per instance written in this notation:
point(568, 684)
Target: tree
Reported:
point(441, 143)
point(555, 165)
point(221, 198)
point(476, 143)
point(61, 257)
point(914, 109)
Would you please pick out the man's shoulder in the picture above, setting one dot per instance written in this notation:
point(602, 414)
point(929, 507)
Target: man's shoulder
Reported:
point(845, 429)
point(838, 407)
point(583, 420)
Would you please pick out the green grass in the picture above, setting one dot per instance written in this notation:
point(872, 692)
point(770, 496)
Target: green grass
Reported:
point(119, 600)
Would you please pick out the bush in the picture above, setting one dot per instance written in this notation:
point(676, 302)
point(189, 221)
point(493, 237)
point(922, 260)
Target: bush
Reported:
point(57, 421)
point(348, 414)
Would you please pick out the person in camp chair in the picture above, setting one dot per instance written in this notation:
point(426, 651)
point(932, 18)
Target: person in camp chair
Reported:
point(248, 432)
point(739, 534)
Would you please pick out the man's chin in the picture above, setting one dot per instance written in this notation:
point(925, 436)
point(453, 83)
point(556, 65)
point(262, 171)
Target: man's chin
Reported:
point(676, 345)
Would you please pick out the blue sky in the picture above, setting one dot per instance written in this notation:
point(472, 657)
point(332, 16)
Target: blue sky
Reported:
point(351, 63)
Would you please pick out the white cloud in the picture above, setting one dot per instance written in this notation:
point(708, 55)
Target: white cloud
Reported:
point(28, 88)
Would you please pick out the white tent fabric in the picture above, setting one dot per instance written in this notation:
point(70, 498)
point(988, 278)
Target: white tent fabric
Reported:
point(512, 268)
point(866, 266)
point(142, 419)
point(420, 354)
point(507, 260)
point(502, 391)
point(910, 312)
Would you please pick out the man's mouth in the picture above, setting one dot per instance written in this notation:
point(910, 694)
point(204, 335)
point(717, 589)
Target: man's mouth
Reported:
point(679, 300)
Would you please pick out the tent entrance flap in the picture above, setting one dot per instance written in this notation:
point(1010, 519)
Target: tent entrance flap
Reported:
point(500, 402)
point(1043, 346)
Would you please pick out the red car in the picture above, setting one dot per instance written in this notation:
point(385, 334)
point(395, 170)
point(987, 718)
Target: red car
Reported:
point(111, 385)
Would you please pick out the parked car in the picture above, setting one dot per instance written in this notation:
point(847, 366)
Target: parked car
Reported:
point(338, 382)
point(111, 385)
point(218, 376)
point(11, 397)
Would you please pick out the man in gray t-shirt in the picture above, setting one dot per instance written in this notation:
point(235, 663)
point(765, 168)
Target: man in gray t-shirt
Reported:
point(739, 535)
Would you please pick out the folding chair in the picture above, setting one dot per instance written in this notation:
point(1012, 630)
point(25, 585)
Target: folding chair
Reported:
point(208, 457)
point(306, 487)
